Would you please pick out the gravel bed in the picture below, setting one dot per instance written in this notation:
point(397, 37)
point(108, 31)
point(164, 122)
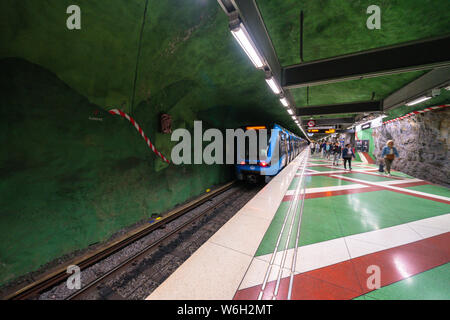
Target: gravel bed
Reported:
point(139, 280)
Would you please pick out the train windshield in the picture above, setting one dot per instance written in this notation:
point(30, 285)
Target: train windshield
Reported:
point(262, 148)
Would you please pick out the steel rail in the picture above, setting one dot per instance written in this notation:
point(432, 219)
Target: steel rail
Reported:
point(139, 255)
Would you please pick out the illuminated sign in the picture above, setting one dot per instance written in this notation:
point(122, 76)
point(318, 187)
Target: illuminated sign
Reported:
point(321, 130)
point(365, 126)
point(255, 128)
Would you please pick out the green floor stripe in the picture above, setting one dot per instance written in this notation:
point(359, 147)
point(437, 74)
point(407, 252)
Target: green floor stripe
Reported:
point(429, 285)
point(367, 177)
point(338, 216)
point(322, 169)
point(319, 181)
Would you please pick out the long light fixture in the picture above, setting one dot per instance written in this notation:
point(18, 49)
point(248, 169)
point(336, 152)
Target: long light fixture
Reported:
point(273, 85)
point(294, 118)
point(418, 100)
point(290, 112)
point(243, 38)
point(284, 102)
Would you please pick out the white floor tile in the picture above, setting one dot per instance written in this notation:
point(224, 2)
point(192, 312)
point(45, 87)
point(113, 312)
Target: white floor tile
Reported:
point(211, 273)
point(358, 248)
point(389, 237)
point(242, 233)
point(438, 222)
point(321, 254)
point(426, 232)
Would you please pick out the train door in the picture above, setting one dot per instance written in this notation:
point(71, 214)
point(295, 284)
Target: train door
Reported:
point(283, 150)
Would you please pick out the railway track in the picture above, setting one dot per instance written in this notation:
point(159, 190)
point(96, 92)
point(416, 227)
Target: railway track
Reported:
point(46, 283)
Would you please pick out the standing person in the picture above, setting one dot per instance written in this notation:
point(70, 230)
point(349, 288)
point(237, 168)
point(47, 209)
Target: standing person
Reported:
point(389, 153)
point(328, 150)
point(312, 147)
point(336, 153)
point(317, 148)
point(324, 149)
point(347, 155)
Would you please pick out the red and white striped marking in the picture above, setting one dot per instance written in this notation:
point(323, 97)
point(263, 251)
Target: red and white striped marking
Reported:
point(138, 128)
point(417, 112)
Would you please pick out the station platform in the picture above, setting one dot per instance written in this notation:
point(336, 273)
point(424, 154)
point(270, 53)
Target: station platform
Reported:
point(317, 231)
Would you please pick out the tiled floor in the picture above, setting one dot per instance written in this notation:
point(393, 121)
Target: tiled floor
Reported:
point(351, 221)
point(358, 230)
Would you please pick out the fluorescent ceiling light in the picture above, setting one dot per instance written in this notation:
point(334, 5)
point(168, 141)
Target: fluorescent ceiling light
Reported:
point(284, 102)
point(294, 118)
point(244, 40)
point(290, 112)
point(273, 85)
point(418, 100)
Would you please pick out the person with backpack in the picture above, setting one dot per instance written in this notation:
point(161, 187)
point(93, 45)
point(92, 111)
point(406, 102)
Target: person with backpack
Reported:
point(389, 153)
point(336, 153)
point(347, 154)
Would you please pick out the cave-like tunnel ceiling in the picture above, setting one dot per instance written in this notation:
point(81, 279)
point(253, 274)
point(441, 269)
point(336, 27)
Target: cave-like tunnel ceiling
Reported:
point(187, 53)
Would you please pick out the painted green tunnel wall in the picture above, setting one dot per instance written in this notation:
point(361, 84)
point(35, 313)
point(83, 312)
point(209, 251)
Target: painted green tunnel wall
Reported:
point(67, 181)
point(367, 135)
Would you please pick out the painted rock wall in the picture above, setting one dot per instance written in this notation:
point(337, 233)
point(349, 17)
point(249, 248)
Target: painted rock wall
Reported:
point(423, 144)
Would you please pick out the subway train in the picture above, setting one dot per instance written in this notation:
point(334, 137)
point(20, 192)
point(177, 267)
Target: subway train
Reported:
point(267, 164)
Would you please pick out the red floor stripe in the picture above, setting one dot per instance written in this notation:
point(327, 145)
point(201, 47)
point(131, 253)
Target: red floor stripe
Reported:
point(368, 158)
point(334, 193)
point(398, 191)
point(348, 279)
point(356, 190)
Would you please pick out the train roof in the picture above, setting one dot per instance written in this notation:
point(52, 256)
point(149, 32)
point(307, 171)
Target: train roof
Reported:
point(275, 126)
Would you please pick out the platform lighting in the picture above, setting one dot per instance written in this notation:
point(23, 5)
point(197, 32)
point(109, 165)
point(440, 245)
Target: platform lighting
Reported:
point(418, 100)
point(273, 85)
point(294, 118)
point(284, 102)
point(243, 38)
point(290, 112)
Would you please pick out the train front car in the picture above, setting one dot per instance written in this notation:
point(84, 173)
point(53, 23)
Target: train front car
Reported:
point(265, 158)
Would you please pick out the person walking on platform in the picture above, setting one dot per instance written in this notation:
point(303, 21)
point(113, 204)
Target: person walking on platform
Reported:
point(324, 151)
point(317, 148)
point(389, 153)
point(312, 146)
point(328, 150)
point(347, 155)
point(336, 153)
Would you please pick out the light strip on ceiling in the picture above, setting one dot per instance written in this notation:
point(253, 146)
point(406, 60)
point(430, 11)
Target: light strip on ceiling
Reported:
point(273, 85)
point(244, 40)
point(284, 102)
point(418, 100)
